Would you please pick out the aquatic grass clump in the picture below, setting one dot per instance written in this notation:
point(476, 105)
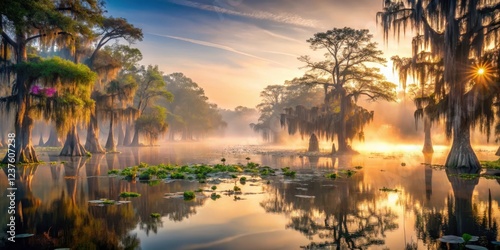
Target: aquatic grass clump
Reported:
point(288, 173)
point(189, 195)
point(144, 176)
point(177, 175)
point(332, 175)
point(214, 196)
point(237, 189)
point(155, 215)
point(491, 164)
point(243, 180)
point(385, 189)
point(214, 188)
point(129, 194)
point(348, 172)
point(114, 171)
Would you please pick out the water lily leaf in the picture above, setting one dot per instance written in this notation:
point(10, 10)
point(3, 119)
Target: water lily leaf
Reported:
point(475, 247)
point(451, 239)
point(20, 236)
point(305, 196)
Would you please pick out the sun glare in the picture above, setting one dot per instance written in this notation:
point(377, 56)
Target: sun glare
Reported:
point(481, 71)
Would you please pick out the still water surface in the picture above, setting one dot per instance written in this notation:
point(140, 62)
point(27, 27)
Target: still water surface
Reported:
point(307, 211)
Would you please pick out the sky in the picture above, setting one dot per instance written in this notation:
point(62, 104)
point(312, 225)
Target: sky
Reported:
point(235, 48)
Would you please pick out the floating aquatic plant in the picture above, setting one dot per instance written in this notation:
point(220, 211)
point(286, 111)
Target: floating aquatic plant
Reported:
point(189, 195)
point(129, 194)
point(385, 189)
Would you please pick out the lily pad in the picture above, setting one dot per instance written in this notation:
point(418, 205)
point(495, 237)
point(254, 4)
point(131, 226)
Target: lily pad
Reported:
point(451, 239)
point(20, 236)
point(305, 196)
point(475, 247)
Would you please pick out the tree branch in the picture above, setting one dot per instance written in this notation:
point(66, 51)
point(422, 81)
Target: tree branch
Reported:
point(9, 40)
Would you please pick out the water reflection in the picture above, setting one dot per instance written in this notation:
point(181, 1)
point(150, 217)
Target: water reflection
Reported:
point(345, 213)
point(52, 203)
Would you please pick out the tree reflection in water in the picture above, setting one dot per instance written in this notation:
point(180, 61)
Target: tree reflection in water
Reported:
point(345, 213)
point(61, 215)
point(460, 215)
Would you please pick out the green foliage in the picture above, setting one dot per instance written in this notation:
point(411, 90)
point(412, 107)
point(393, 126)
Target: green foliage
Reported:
point(236, 189)
point(346, 74)
point(114, 171)
point(288, 173)
point(491, 164)
point(348, 172)
point(191, 114)
point(155, 215)
point(153, 124)
point(214, 188)
point(214, 196)
point(144, 176)
point(177, 175)
point(332, 175)
point(467, 237)
point(243, 180)
point(385, 189)
point(129, 194)
point(275, 98)
point(189, 195)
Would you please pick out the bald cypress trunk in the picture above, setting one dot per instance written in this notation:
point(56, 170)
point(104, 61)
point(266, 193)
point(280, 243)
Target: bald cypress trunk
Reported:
point(135, 140)
point(40, 141)
point(110, 143)
point(27, 153)
point(313, 144)
point(53, 140)
point(72, 145)
point(92, 143)
point(127, 140)
point(342, 134)
point(23, 124)
point(427, 136)
point(120, 133)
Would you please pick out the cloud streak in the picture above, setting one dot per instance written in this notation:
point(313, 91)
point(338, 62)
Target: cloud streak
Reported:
point(262, 15)
point(217, 46)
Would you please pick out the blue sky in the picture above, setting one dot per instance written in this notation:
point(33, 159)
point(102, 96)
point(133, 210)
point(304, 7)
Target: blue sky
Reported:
point(234, 48)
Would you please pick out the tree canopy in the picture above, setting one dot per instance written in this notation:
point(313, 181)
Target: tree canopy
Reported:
point(459, 32)
point(346, 74)
point(191, 114)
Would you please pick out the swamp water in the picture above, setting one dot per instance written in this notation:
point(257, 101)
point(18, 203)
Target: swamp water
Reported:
point(392, 201)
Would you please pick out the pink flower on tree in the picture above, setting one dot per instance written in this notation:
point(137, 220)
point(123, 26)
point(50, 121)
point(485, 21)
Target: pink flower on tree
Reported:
point(49, 92)
point(35, 89)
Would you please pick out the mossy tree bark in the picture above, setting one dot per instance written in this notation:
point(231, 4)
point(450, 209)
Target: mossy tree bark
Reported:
point(27, 152)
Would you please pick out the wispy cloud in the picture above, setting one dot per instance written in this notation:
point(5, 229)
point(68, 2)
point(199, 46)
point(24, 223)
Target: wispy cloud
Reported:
point(262, 15)
point(282, 36)
point(218, 46)
point(281, 53)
